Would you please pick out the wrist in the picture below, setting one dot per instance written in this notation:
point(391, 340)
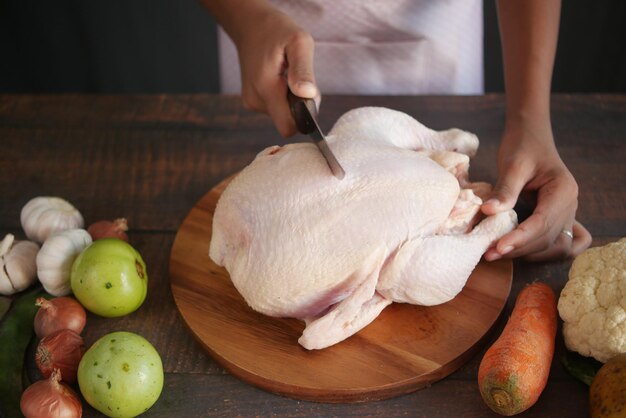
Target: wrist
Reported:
point(530, 128)
point(526, 116)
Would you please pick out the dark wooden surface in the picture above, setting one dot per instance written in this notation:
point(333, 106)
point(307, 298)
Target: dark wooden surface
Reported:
point(151, 158)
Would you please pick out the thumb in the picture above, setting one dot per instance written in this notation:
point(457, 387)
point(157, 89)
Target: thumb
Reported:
point(300, 77)
point(505, 193)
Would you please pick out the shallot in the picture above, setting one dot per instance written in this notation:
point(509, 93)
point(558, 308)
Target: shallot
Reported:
point(50, 399)
point(57, 314)
point(109, 229)
point(61, 350)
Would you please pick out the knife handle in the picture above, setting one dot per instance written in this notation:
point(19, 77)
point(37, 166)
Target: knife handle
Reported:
point(297, 105)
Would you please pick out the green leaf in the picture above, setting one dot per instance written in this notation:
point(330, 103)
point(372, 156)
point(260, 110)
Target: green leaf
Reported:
point(581, 367)
point(5, 304)
point(16, 331)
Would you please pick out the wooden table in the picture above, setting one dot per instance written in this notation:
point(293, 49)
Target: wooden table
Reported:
point(151, 158)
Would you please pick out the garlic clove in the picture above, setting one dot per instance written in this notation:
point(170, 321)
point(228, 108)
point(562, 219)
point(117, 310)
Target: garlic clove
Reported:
point(44, 215)
point(20, 264)
point(6, 244)
point(18, 268)
point(55, 258)
point(6, 287)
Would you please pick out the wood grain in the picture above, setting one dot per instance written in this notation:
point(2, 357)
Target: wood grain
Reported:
point(152, 158)
point(406, 348)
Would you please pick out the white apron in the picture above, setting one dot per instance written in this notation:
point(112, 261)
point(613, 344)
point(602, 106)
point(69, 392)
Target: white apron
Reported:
point(384, 46)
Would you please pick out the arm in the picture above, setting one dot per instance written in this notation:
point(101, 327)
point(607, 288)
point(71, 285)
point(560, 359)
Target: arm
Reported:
point(528, 159)
point(270, 46)
point(529, 32)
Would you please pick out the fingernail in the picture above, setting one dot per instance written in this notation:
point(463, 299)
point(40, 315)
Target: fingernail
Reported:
point(492, 256)
point(493, 202)
point(506, 250)
point(306, 88)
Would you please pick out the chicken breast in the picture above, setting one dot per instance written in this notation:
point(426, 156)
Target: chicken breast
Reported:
point(400, 227)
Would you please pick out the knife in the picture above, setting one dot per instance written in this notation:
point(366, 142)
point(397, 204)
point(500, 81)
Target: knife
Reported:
point(304, 113)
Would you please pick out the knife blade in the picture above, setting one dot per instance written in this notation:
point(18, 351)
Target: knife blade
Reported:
point(304, 113)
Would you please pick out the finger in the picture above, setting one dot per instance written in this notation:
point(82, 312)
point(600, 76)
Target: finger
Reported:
point(298, 54)
point(540, 249)
point(559, 249)
point(269, 95)
point(251, 101)
point(492, 254)
point(565, 246)
point(554, 244)
point(555, 207)
point(506, 190)
point(505, 247)
point(530, 235)
point(278, 107)
point(258, 88)
point(582, 239)
point(536, 234)
point(300, 75)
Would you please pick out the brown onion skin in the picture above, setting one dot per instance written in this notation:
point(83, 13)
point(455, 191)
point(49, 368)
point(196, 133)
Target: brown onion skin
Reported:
point(61, 350)
point(57, 314)
point(50, 399)
point(109, 229)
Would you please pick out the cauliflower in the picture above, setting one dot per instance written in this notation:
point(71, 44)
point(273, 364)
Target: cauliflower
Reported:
point(592, 304)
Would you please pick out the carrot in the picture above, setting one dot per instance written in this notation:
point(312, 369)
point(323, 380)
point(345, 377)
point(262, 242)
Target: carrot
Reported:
point(515, 369)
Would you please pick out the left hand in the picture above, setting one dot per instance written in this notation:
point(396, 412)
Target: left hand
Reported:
point(528, 161)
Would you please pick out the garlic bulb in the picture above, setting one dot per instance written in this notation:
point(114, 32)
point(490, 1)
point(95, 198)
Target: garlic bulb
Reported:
point(54, 260)
point(42, 216)
point(18, 269)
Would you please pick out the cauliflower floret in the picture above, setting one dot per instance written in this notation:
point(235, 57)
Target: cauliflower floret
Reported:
point(592, 304)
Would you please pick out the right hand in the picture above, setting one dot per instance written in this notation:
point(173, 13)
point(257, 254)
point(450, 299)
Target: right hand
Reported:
point(268, 50)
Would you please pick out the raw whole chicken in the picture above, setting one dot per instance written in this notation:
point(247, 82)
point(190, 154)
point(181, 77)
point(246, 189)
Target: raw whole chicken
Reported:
point(403, 225)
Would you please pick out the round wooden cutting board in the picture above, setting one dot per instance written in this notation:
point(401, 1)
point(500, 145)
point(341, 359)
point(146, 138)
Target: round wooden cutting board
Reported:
point(406, 348)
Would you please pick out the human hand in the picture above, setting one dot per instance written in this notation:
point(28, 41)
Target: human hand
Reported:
point(270, 48)
point(528, 161)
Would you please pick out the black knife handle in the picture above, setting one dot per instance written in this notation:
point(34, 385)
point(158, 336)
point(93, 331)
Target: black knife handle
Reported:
point(298, 106)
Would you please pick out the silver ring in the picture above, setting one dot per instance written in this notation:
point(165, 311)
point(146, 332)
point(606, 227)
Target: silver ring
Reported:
point(568, 233)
